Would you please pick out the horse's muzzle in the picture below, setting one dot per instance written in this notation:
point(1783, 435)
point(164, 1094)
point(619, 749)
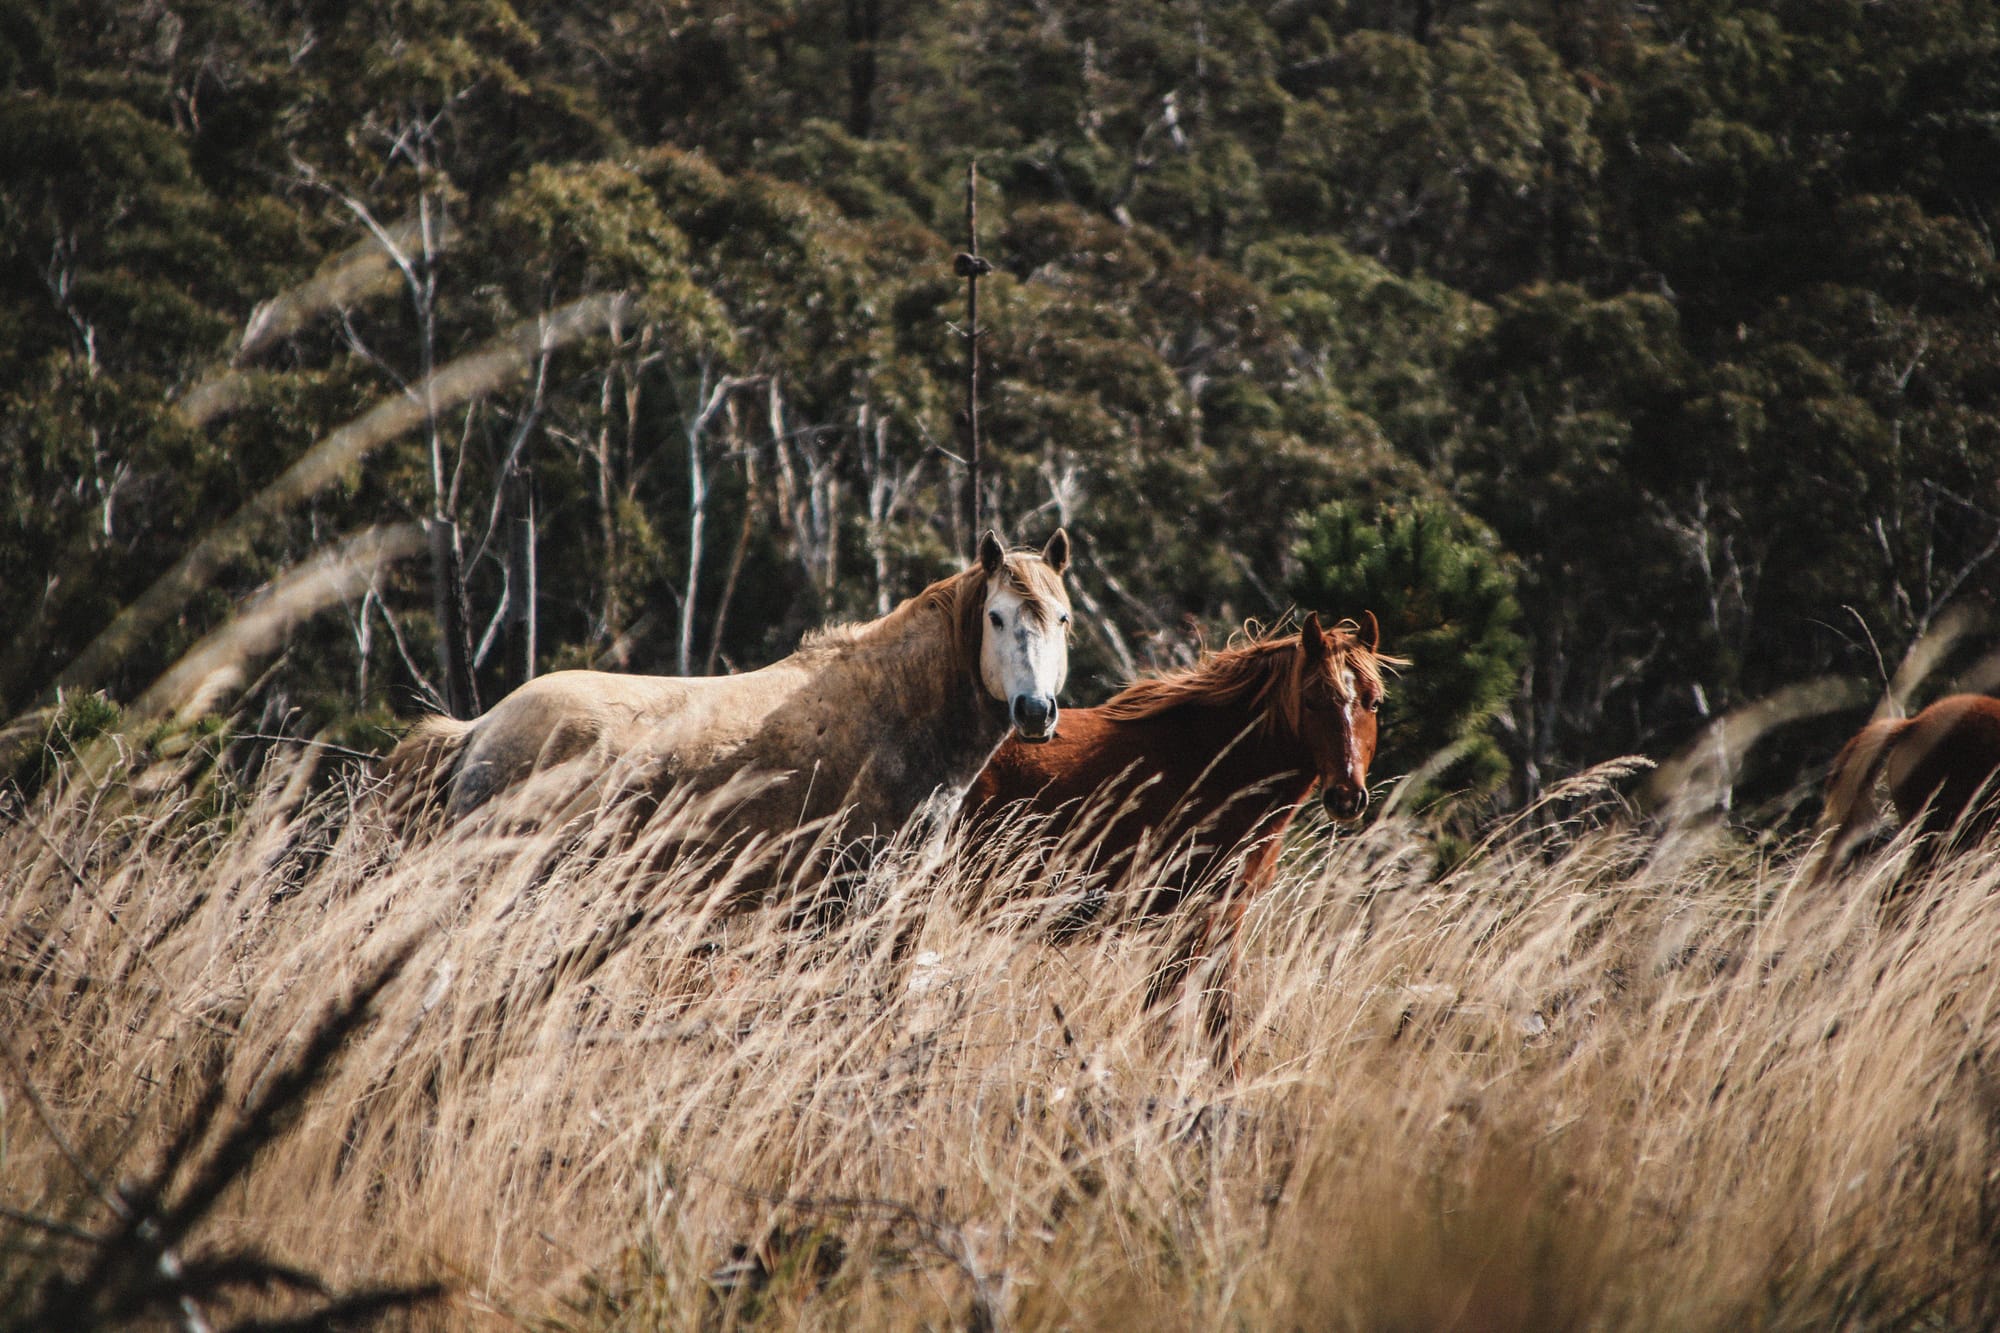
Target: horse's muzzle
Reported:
point(1344, 802)
point(1034, 717)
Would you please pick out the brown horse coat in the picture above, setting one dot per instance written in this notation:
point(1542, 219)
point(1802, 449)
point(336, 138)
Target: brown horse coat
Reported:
point(1212, 762)
point(1940, 766)
point(869, 721)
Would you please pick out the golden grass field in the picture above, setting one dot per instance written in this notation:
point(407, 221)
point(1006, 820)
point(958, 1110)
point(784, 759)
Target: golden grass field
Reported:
point(1597, 1077)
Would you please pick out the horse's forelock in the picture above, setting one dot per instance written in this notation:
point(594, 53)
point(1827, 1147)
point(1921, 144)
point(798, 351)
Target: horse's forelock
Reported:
point(962, 598)
point(1371, 665)
point(1345, 652)
point(1043, 597)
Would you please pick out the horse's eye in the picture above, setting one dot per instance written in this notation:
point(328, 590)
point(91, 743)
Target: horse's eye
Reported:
point(1374, 705)
point(994, 616)
point(1064, 621)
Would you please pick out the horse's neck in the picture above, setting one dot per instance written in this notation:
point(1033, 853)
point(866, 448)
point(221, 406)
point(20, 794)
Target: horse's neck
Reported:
point(1226, 749)
point(1225, 774)
point(910, 669)
point(909, 658)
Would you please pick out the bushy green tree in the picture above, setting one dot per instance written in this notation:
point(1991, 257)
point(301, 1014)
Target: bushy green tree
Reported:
point(1443, 595)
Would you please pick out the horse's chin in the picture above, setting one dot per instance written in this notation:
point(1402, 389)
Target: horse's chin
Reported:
point(1042, 739)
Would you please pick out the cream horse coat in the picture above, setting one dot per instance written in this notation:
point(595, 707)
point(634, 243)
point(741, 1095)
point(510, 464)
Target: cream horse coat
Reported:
point(871, 722)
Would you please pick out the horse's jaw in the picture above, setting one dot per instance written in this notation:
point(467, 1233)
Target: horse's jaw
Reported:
point(986, 720)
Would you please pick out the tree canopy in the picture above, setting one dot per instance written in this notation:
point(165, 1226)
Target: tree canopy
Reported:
point(1650, 346)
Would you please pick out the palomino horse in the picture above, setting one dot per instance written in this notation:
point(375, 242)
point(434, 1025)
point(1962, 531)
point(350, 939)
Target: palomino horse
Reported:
point(1201, 771)
point(1940, 769)
point(871, 722)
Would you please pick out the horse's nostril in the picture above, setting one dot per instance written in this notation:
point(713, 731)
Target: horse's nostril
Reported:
point(1345, 802)
point(1034, 715)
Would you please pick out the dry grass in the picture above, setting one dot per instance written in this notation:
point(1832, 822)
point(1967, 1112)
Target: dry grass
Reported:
point(1597, 1078)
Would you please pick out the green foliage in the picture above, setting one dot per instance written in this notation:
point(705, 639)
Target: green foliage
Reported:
point(81, 718)
point(101, 481)
point(598, 228)
point(1691, 307)
point(866, 179)
point(1385, 341)
point(106, 246)
point(1444, 598)
point(1470, 158)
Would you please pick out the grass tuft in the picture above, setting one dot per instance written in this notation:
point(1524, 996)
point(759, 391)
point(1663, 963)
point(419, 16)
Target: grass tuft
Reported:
point(285, 1071)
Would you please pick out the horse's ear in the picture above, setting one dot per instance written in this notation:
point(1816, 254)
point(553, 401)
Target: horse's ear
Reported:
point(1374, 631)
point(991, 553)
point(1056, 553)
point(1312, 639)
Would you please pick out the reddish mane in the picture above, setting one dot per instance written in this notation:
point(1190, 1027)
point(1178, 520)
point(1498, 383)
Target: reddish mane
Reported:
point(1263, 673)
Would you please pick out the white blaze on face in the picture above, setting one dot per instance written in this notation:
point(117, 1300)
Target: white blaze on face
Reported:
point(1350, 699)
point(1024, 658)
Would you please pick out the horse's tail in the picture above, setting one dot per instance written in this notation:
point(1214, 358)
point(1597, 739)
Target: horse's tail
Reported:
point(417, 775)
point(1849, 786)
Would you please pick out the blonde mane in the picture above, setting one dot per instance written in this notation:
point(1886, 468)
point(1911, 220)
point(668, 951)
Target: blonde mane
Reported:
point(961, 599)
point(1266, 672)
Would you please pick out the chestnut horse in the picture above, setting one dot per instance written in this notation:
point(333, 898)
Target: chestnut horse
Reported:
point(869, 722)
point(1194, 776)
point(1940, 769)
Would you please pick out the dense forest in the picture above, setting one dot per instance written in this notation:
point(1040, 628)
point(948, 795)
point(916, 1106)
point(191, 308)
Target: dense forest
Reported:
point(1630, 361)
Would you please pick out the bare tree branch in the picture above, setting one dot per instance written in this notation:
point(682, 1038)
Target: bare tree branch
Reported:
point(367, 270)
point(697, 426)
point(216, 665)
point(470, 376)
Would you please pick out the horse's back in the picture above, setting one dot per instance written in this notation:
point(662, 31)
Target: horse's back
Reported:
point(1947, 758)
point(563, 718)
point(1934, 765)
